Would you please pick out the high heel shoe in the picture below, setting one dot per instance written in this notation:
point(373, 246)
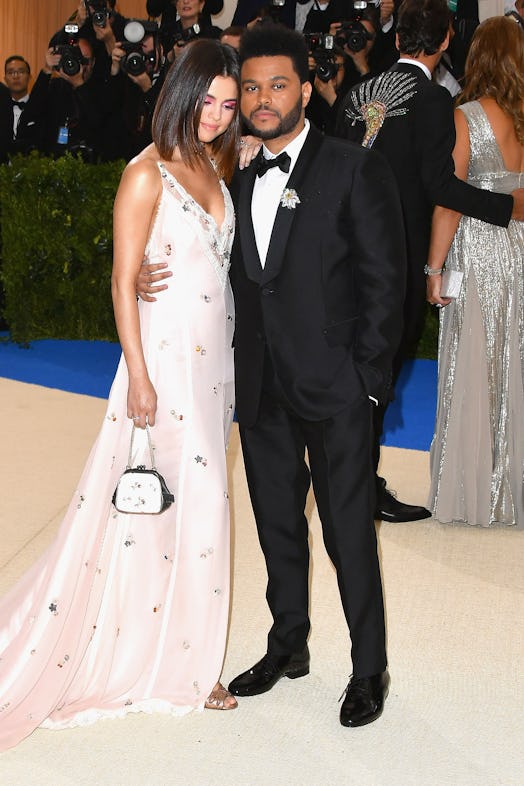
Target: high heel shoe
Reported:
point(220, 699)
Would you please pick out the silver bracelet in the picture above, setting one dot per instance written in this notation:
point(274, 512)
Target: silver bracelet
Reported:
point(431, 271)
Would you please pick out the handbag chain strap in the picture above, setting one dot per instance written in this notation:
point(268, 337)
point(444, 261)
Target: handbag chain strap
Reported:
point(130, 457)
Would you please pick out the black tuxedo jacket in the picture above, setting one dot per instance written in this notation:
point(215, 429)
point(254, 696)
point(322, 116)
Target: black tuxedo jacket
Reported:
point(31, 126)
point(418, 146)
point(6, 131)
point(327, 306)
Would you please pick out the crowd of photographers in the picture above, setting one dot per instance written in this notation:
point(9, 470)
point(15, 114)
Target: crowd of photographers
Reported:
point(102, 73)
point(100, 80)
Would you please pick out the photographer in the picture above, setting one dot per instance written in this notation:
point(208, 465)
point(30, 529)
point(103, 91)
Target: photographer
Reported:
point(353, 28)
point(328, 76)
point(313, 16)
point(168, 13)
point(182, 21)
point(138, 69)
point(320, 16)
point(75, 112)
point(100, 22)
point(357, 36)
point(249, 12)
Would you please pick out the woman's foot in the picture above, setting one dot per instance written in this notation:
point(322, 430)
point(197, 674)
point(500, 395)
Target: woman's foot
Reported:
point(220, 699)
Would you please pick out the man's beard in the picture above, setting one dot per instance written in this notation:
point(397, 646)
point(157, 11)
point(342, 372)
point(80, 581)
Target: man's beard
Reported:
point(287, 123)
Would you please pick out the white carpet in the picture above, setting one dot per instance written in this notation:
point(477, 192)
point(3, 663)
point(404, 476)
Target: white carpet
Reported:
point(455, 629)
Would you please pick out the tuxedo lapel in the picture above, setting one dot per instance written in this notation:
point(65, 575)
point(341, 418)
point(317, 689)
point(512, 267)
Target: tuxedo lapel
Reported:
point(245, 223)
point(286, 215)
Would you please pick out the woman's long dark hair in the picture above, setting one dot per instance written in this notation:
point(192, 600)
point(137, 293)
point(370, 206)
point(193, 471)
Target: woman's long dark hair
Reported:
point(495, 68)
point(179, 106)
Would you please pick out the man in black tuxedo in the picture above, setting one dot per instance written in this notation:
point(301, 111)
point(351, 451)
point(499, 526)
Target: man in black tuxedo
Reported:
point(319, 245)
point(22, 112)
point(417, 137)
point(315, 264)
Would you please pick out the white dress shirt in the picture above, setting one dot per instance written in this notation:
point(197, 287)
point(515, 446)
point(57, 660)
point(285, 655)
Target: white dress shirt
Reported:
point(412, 61)
point(17, 112)
point(267, 193)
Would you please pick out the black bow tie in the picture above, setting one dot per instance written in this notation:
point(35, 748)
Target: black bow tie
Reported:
point(283, 161)
point(19, 104)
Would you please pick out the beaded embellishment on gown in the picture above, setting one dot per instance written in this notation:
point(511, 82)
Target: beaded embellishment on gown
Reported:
point(129, 613)
point(477, 452)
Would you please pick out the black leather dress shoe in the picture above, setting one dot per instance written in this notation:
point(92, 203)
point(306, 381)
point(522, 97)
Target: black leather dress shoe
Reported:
point(267, 672)
point(391, 509)
point(364, 699)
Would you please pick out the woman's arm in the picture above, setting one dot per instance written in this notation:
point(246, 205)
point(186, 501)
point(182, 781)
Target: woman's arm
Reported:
point(135, 204)
point(445, 221)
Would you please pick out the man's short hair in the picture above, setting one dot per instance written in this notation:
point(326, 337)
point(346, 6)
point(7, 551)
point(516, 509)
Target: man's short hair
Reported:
point(236, 30)
point(17, 57)
point(422, 26)
point(268, 39)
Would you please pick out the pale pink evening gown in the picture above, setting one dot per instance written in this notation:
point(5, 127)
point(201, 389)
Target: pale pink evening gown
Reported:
point(127, 613)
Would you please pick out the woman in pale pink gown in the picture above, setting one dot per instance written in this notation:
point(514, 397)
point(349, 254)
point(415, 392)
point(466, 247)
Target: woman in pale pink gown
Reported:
point(128, 613)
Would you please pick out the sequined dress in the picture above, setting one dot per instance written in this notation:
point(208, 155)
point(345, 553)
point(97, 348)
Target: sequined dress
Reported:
point(477, 452)
point(127, 613)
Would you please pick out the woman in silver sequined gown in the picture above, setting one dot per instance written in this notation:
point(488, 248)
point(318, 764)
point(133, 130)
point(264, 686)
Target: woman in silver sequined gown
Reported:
point(477, 452)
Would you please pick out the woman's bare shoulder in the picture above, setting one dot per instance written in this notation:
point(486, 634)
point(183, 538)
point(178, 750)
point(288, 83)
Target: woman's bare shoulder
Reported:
point(142, 171)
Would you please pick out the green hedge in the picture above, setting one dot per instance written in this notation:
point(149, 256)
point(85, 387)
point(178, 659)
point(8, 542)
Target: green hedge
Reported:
point(56, 231)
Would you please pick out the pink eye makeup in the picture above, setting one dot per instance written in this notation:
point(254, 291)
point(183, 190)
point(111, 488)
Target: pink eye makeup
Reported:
point(231, 104)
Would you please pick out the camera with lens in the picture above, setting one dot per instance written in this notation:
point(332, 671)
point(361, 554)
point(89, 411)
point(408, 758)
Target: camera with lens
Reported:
point(100, 13)
point(313, 41)
point(321, 46)
point(135, 60)
point(273, 10)
point(182, 37)
point(353, 34)
point(65, 44)
point(516, 18)
point(361, 5)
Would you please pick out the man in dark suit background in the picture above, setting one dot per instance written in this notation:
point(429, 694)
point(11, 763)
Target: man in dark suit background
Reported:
point(417, 137)
point(319, 242)
point(22, 112)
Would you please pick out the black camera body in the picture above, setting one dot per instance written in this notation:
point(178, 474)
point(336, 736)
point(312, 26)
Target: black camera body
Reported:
point(135, 60)
point(65, 44)
point(326, 66)
point(182, 37)
point(316, 41)
point(516, 18)
point(361, 5)
point(100, 14)
point(274, 10)
point(353, 34)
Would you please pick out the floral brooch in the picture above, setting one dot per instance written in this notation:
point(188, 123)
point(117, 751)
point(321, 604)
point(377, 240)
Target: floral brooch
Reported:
point(289, 198)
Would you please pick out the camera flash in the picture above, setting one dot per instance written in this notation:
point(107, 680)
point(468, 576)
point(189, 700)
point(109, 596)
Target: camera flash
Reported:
point(134, 32)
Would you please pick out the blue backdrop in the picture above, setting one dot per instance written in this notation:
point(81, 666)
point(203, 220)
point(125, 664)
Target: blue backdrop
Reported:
point(88, 367)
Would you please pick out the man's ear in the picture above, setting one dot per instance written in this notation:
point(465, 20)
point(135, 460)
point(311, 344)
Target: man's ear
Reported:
point(444, 45)
point(306, 93)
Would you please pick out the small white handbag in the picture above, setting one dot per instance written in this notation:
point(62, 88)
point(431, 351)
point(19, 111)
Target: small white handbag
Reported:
point(141, 490)
point(450, 283)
